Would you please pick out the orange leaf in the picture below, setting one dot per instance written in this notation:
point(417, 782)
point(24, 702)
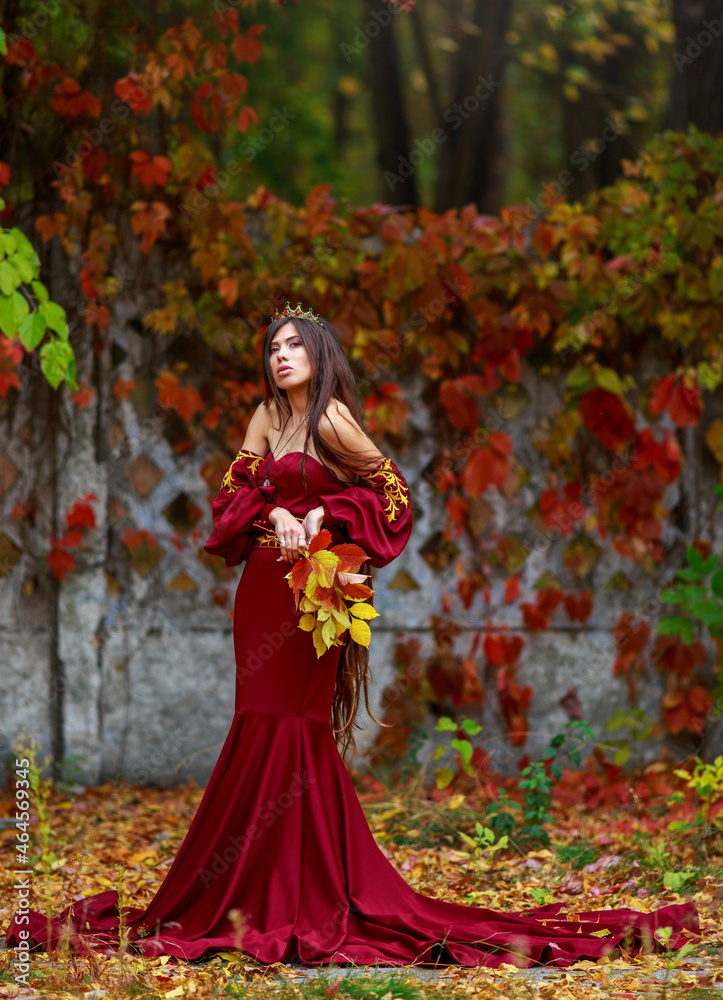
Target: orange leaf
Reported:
point(122, 388)
point(248, 46)
point(83, 396)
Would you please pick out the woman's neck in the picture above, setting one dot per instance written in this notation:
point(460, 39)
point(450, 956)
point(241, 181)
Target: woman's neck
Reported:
point(299, 403)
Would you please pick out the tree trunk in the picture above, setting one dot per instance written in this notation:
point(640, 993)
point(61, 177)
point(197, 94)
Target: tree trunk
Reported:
point(388, 115)
point(696, 93)
point(594, 143)
point(470, 167)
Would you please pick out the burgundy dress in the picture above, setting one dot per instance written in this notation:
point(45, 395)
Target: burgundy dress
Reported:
point(279, 834)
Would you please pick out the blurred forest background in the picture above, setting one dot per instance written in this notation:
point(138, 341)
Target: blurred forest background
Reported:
point(362, 98)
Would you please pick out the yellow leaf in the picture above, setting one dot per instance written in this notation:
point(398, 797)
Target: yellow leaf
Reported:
point(311, 584)
point(714, 439)
point(307, 622)
point(363, 610)
point(360, 632)
point(325, 564)
point(319, 644)
point(388, 813)
point(455, 801)
point(340, 617)
point(328, 631)
point(443, 775)
point(135, 859)
point(306, 604)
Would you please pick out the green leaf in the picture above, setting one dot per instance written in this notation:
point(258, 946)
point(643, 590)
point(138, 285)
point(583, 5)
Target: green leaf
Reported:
point(609, 380)
point(471, 727)
point(40, 291)
point(675, 880)
point(7, 242)
point(32, 330)
point(691, 573)
point(24, 268)
point(446, 725)
point(56, 359)
point(9, 277)
point(8, 320)
point(694, 557)
point(464, 748)
point(716, 583)
point(710, 564)
point(579, 379)
point(3, 43)
point(69, 378)
point(24, 247)
point(670, 596)
point(55, 315)
point(671, 625)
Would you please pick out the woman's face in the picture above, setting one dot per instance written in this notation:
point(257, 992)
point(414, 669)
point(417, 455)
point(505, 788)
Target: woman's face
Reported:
point(289, 361)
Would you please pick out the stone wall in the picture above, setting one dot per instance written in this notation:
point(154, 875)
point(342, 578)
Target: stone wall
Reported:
point(125, 667)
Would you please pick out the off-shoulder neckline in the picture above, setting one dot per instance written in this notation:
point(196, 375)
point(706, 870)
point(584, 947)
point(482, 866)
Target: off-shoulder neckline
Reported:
point(321, 465)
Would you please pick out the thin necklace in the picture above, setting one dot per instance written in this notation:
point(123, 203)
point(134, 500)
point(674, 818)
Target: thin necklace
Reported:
point(273, 457)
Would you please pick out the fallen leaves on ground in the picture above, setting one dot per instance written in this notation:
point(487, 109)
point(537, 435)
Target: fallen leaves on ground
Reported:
point(598, 858)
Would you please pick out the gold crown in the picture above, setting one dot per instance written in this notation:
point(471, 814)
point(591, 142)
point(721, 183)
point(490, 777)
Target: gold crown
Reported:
point(288, 312)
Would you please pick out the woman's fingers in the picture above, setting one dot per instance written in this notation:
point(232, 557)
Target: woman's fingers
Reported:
point(291, 544)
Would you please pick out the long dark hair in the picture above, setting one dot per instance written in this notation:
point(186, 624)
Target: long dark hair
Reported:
point(331, 378)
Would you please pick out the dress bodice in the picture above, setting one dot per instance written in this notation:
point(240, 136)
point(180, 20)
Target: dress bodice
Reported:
point(375, 512)
point(284, 475)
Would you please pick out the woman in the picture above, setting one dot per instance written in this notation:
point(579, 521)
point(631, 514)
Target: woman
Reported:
point(280, 836)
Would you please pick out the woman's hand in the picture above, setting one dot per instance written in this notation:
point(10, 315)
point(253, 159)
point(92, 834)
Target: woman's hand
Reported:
point(313, 521)
point(290, 533)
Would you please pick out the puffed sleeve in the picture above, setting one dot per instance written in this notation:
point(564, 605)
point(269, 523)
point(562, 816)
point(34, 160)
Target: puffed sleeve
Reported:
point(240, 503)
point(377, 514)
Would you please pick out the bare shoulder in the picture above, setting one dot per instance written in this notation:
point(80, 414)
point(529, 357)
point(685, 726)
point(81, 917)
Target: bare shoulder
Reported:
point(340, 427)
point(256, 439)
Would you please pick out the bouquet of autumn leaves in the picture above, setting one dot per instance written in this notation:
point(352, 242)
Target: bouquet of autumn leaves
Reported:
point(330, 592)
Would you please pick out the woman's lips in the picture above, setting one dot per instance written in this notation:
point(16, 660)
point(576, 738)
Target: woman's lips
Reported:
point(284, 369)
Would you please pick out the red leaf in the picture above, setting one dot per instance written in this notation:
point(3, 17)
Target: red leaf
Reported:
point(71, 539)
point(61, 561)
point(351, 556)
point(131, 90)
point(320, 541)
point(512, 589)
point(607, 416)
point(579, 606)
point(461, 408)
point(80, 515)
point(535, 619)
point(488, 465)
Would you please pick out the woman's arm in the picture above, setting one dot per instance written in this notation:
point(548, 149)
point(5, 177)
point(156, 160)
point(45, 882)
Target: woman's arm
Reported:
point(378, 512)
point(241, 500)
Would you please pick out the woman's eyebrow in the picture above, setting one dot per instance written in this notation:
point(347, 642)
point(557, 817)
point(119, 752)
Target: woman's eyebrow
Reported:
point(292, 337)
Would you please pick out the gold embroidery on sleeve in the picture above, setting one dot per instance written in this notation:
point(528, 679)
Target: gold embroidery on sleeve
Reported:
point(227, 484)
point(395, 492)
